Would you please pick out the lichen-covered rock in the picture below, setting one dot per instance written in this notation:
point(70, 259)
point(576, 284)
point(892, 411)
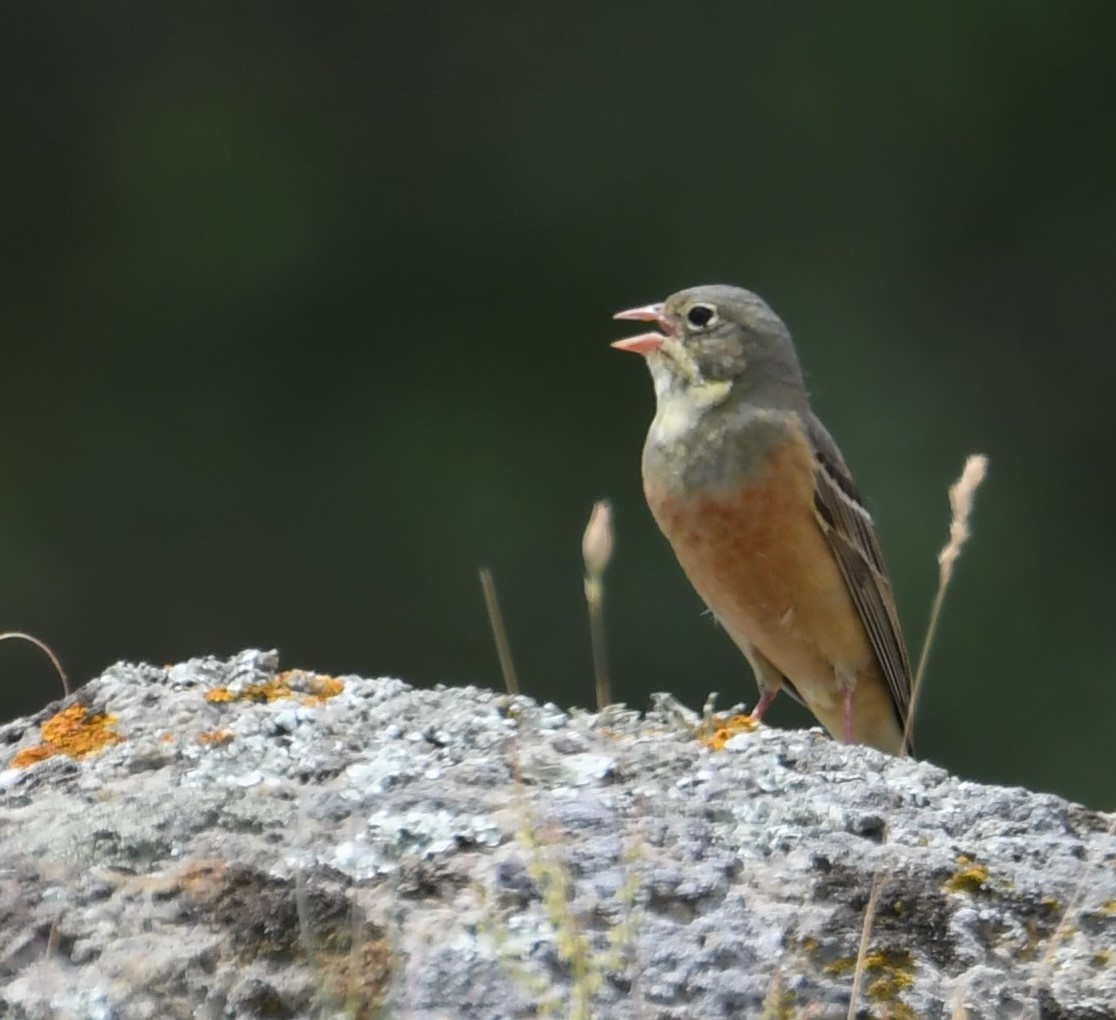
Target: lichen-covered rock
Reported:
point(219, 839)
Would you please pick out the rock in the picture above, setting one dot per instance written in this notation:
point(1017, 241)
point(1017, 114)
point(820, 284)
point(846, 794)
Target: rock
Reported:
point(219, 839)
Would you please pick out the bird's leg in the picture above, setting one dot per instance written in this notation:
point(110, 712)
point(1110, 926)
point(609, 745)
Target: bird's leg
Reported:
point(768, 680)
point(767, 695)
point(846, 684)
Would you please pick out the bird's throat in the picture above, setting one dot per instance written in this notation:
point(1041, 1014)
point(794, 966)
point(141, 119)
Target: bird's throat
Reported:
point(681, 407)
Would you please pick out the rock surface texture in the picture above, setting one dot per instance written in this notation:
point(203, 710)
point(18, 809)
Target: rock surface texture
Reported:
point(219, 839)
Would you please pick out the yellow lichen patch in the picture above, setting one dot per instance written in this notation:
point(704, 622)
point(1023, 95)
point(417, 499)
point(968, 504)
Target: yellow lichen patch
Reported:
point(316, 688)
point(1108, 908)
point(896, 1011)
point(887, 973)
point(724, 729)
point(970, 877)
point(72, 732)
point(894, 970)
point(219, 736)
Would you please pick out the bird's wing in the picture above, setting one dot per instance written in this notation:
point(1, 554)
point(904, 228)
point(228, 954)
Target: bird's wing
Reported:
point(852, 536)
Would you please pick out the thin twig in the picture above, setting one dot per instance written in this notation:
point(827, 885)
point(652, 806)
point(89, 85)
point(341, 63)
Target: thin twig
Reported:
point(961, 496)
point(865, 939)
point(20, 636)
point(499, 635)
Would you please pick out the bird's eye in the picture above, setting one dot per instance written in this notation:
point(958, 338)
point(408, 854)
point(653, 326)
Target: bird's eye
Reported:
point(700, 316)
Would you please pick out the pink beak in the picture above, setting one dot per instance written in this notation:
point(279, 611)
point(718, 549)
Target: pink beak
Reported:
point(645, 343)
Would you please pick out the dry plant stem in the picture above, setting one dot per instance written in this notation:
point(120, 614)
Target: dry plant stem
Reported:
point(961, 496)
point(20, 636)
point(594, 598)
point(499, 635)
point(924, 655)
point(54, 937)
point(596, 551)
point(865, 939)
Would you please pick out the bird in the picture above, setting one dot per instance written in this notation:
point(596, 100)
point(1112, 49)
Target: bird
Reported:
point(755, 498)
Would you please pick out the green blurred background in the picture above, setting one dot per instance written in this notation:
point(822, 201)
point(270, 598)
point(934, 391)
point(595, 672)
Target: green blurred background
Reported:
point(306, 311)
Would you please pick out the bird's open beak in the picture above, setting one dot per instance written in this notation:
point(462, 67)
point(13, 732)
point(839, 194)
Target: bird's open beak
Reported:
point(645, 343)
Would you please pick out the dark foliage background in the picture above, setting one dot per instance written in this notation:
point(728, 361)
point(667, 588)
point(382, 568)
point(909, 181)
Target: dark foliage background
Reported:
point(305, 312)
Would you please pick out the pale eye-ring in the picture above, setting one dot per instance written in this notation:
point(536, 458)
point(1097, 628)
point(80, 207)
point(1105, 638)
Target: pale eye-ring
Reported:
point(700, 316)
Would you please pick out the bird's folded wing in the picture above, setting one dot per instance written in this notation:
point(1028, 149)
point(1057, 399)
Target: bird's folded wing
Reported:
point(852, 536)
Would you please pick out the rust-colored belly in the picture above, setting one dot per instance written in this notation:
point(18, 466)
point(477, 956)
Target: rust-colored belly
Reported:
point(758, 557)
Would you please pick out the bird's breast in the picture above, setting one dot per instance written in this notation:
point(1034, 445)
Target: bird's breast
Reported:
point(690, 451)
point(736, 504)
point(743, 528)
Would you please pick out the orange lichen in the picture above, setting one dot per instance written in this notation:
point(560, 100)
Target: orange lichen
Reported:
point(269, 690)
point(322, 688)
point(285, 685)
point(725, 729)
point(220, 694)
point(33, 755)
point(220, 736)
point(73, 732)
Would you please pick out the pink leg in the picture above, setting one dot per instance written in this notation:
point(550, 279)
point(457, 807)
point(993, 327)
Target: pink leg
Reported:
point(847, 700)
point(767, 695)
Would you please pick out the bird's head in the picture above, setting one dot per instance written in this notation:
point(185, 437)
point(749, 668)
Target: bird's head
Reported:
point(716, 338)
